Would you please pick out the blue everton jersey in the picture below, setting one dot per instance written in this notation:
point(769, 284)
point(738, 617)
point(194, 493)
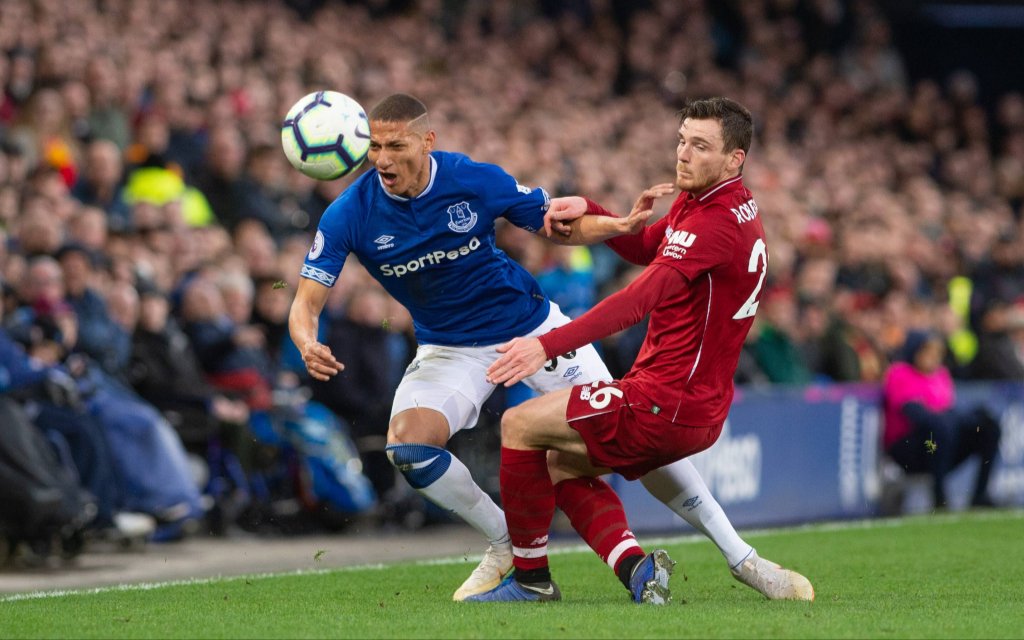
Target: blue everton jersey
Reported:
point(435, 253)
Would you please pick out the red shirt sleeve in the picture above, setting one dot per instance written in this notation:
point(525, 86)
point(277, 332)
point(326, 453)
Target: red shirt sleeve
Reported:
point(638, 248)
point(622, 309)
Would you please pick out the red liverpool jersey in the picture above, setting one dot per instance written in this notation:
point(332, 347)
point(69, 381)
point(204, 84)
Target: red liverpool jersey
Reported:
point(700, 311)
point(688, 359)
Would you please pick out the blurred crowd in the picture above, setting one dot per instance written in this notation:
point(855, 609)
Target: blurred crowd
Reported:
point(151, 229)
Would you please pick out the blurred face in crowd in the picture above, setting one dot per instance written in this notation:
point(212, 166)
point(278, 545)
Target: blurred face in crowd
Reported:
point(89, 227)
point(39, 230)
point(153, 312)
point(255, 244)
point(154, 132)
point(929, 357)
point(103, 164)
point(225, 152)
point(238, 300)
point(77, 268)
point(45, 283)
point(48, 109)
point(123, 306)
point(400, 151)
point(203, 302)
point(272, 304)
point(701, 159)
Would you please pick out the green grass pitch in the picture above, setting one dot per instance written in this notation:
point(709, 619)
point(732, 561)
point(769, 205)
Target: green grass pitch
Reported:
point(941, 576)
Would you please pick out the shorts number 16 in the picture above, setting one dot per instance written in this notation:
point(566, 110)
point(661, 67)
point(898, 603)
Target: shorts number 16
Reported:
point(603, 396)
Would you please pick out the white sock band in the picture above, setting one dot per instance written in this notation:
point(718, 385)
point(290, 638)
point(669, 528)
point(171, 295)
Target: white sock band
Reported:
point(622, 547)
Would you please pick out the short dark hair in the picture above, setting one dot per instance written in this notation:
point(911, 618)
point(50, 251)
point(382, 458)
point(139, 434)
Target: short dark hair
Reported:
point(398, 107)
point(91, 256)
point(737, 124)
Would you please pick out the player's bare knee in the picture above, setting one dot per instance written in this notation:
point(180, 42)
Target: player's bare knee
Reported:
point(572, 462)
point(399, 433)
point(418, 427)
point(558, 469)
point(515, 426)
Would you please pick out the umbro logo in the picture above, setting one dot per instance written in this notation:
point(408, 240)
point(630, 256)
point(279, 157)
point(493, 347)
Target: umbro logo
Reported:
point(384, 242)
point(691, 503)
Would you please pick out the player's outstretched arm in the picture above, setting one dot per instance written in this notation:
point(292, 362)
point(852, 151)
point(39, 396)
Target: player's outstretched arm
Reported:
point(566, 221)
point(303, 322)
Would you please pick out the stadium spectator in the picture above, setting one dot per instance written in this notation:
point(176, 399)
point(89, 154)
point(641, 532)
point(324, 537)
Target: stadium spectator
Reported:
point(37, 231)
point(165, 371)
point(925, 431)
point(44, 134)
point(107, 119)
point(44, 321)
point(76, 100)
point(89, 228)
point(1001, 351)
point(255, 243)
point(270, 202)
point(230, 353)
point(270, 315)
point(99, 337)
point(102, 181)
point(777, 346)
point(222, 178)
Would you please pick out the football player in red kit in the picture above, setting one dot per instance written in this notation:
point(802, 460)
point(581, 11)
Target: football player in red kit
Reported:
point(706, 265)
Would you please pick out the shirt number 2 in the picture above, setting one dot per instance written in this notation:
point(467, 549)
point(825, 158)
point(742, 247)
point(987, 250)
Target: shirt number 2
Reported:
point(758, 260)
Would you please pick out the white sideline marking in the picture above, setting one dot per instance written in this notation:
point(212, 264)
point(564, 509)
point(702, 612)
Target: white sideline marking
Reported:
point(692, 538)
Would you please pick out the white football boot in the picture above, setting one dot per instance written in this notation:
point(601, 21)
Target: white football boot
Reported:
point(497, 561)
point(771, 580)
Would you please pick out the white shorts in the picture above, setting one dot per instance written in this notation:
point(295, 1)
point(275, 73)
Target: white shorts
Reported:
point(453, 380)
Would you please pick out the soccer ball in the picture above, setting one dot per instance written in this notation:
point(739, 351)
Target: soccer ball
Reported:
point(326, 135)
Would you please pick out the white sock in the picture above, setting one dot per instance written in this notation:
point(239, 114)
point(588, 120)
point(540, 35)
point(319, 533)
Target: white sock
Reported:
point(681, 488)
point(455, 491)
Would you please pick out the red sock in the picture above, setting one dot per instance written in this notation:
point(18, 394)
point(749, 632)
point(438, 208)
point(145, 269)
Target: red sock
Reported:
point(596, 513)
point(529, 502)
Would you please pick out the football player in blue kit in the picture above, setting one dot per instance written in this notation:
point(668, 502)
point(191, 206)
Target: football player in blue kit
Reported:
point(422, 222)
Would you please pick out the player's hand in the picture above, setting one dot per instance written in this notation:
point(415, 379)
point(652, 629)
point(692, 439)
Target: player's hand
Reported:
point(646, 200)
point(523, 358)
point(561, 212)
point(633, 223)
point(320, 362)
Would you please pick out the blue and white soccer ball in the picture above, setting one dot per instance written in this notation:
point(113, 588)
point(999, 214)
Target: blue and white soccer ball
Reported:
point(326, 135)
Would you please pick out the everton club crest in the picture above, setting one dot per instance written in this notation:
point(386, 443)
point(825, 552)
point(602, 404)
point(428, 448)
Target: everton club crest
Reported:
point(462, 217)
